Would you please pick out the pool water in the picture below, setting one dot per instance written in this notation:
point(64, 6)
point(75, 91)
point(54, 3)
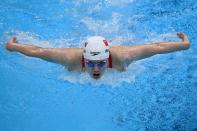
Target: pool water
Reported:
point(158, 93)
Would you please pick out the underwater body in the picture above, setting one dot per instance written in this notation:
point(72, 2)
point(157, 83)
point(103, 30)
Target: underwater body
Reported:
point(157, 93)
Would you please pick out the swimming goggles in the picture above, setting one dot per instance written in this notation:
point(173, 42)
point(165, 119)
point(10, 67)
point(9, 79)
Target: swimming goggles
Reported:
point(99, 64)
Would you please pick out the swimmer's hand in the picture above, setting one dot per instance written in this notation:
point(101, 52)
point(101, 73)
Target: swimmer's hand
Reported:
point(183, 37)
point(11, 42)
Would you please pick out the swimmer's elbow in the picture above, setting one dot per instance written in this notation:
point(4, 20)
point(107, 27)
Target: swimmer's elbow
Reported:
point(186, 45)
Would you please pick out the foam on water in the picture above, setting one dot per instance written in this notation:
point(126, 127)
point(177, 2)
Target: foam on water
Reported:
point(100, 26)
point(107, 2)
point(111, 78)
point(119, 2)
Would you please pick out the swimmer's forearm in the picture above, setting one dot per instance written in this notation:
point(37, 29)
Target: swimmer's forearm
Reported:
point(30, 50)
point(35, 51)
point(165, 47)
point(25, 49)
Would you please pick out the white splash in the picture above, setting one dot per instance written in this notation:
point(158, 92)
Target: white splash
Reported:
point(119, 40)
point(111, 77)
point(27, 38)
point(153, 37)
point(118, 3)
point(100, 26)
point(34, 39)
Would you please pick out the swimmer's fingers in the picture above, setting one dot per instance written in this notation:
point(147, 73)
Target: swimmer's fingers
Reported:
point(10, 43)
point(181, 35)
point(12, 40)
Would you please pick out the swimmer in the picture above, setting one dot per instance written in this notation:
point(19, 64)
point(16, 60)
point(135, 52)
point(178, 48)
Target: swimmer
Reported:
point(96, 55)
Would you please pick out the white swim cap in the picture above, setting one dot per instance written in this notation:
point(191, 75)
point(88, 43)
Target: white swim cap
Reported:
point(96, 48)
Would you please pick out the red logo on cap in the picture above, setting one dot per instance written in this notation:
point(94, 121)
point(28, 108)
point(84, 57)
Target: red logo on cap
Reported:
point(105, 42)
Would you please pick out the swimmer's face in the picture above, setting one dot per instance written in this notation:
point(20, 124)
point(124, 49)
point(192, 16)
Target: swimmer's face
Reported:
point(96, 68)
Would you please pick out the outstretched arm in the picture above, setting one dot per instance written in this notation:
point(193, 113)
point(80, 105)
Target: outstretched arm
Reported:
point(147, 50)
point(64, 56)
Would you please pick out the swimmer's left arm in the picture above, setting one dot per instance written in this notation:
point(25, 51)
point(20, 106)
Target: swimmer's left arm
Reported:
point(143, 51)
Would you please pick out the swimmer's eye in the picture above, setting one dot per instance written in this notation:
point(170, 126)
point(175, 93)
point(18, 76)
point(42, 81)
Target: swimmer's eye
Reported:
point(92, 64)
point(102, 63)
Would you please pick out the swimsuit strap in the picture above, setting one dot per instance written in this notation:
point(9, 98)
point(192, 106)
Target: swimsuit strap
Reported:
point(109, 61)
point(83, 62)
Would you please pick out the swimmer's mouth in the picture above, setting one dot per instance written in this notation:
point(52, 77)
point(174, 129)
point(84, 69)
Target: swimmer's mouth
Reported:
point(96, 75)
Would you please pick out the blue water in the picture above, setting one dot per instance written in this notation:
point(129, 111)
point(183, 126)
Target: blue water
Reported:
point(158, 93)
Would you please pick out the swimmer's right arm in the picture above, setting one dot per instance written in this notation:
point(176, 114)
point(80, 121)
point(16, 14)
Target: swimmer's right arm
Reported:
point(62, 56)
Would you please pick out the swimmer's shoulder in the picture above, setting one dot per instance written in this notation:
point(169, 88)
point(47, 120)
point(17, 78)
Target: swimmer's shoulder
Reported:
point(75, 59)
point(118, 54)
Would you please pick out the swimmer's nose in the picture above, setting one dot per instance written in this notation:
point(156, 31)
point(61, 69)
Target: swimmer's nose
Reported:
point(96, 68)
